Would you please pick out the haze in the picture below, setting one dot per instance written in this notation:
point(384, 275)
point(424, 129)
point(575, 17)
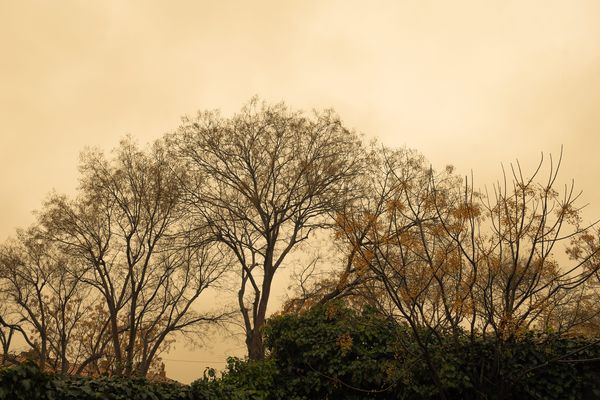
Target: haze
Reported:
point(469, 83)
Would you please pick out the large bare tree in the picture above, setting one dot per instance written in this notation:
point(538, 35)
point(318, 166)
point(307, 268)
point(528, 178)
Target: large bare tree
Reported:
point(129, 228)
point(263, 180)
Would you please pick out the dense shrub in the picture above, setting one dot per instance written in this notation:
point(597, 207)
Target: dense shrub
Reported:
point(241, 380)
point(24, 382)
point(28, 382)
point(332, 352)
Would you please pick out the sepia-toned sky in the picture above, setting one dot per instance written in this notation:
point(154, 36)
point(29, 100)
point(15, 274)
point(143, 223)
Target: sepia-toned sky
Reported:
point(469, 83)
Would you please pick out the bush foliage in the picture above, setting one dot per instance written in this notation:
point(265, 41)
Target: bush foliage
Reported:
point(28, 382)
point(333, 352)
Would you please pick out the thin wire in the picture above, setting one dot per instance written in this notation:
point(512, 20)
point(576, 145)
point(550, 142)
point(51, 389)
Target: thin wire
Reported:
point(195, 361)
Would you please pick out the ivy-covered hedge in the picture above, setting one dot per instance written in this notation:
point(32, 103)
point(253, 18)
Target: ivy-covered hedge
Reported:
point(332, 352)
point(242, 380)
point(28, 382)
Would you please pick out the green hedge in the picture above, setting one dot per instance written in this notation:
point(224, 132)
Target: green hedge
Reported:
point(28, 382)
point(332, 352)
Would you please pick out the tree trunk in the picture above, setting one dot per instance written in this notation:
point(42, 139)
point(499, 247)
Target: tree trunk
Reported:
point(254, 342)
point(43, 352)
point(114, 325)
point(254, 339)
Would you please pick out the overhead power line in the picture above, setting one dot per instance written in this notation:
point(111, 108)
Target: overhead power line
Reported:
point(195, 361)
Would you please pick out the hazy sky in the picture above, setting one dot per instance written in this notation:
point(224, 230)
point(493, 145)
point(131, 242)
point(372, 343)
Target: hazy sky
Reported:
point(468, 83)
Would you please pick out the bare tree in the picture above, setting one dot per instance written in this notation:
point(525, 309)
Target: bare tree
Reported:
point(525, 232)
point(128, 226)
point(263, 180)
point(395, 235)
point(47, 299)
point(450, 258)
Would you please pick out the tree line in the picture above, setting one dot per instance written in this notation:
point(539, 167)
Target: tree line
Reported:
point(105, 278)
